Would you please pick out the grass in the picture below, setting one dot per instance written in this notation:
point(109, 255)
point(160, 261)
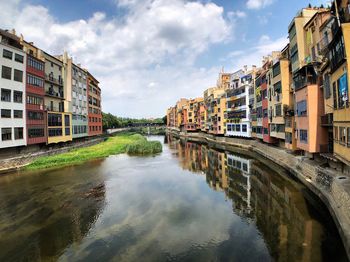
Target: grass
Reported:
point(122, 143)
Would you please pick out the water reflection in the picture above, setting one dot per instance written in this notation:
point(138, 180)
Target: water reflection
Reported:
point(190, 203)
point(274, 202)
point(42, 214)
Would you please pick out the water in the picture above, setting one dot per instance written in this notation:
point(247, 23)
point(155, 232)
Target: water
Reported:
point(191, 203)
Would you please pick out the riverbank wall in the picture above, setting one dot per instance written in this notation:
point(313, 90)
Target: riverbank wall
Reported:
point(331, 187)
point(10, 164)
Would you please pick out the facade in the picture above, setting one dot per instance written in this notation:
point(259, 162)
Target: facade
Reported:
point(171, 115)
point(36, 116)
point(59, 118)
point(79, 81)
point(215, 103)
point(281, 101)
point(13, 91)
point(338, 55)
point(309, 99)
point(94, 111)
point(237, 111)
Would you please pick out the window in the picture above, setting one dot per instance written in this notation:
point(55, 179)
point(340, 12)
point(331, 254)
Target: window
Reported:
point(229, 127)
point(276, 69)
point(35, 81)
point(5, 95)
point(55, 120)
point(302, 108)
point(67, 131)
point(66, 120)
point(17, 113)
point(342, 135)
point(348, 136)
point(18, 133)
point(343, 96)
point(6, 134)
point(55, 131)
point(266, 131)
point(38, 65)
point(244, 128)
point(327, 86)
point(6, 72)
point(34, 100)
point(17, 96)
point(18, 75)
point(303, 136)
point(278, 87)
point(335, 133)
point(238, 128)
point(19, 58)
point(288, 138)
point(35, 115)
point(278, 110)
point(36, 132)
point(5, 113)
point(7, 54)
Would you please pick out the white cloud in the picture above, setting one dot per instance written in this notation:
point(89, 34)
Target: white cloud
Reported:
point(254, 55)
point(128, 54)
point(258, 4)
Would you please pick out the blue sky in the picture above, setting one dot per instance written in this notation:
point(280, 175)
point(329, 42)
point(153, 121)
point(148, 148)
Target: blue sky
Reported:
point(149, 53)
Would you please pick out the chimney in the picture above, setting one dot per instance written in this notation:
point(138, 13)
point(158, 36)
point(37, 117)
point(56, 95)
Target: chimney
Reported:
point(245, 68)
point(13, 31)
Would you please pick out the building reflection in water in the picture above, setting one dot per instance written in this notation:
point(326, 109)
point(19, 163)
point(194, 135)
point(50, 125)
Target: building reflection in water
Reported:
point(275, 203)
point(51, 213)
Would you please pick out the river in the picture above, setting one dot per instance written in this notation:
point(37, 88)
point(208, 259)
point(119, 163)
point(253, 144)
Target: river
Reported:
point(190, 203)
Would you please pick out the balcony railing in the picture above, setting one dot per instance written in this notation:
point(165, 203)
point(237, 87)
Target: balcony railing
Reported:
point(54, 94)
point(54, 108)
point(51, 79)
point(327, 120)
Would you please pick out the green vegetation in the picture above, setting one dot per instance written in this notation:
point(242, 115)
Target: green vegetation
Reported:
point(144, 147)
point(111, 121)
point(121, 143)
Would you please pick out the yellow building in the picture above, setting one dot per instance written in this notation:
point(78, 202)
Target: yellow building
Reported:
point(215, 103)
point(339, 53)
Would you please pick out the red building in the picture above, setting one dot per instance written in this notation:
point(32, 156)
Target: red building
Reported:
point(94, 112)
point(35, 92)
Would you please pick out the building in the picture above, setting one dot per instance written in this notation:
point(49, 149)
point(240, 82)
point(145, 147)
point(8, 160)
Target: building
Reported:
point(280, 97)
point(179, 120)
point(215, 104)
point(171, 115)
point(13, 91)
point(36, 116)
point(237, 111)
point(338, 55)
point(94, 111)
point(59, 118)
point(309, 101)
point(77, 81)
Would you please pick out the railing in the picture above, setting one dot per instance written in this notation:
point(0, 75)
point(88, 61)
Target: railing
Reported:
point(327, 120)
point(54, 108)
point(323, 44)
point(53, 80)
point(55, 94)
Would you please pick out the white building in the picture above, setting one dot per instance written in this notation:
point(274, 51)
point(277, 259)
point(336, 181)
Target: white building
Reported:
point(12, 90)
point(237, 105)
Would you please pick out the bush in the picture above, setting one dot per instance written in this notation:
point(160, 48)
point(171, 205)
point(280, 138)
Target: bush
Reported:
point(144, 147)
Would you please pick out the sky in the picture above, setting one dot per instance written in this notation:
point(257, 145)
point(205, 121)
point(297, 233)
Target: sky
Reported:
point(149, 53)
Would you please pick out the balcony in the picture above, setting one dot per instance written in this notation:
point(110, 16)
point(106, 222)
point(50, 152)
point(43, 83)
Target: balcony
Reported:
point(51, 79)
point(323, 44)
point(327, 120)
point(55, 94)
point(304, 77)
point(55, 108)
